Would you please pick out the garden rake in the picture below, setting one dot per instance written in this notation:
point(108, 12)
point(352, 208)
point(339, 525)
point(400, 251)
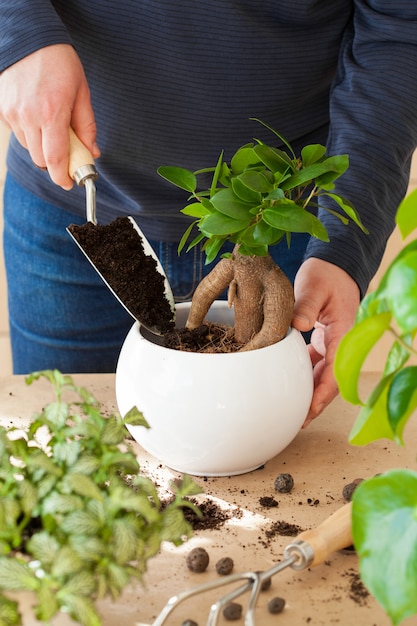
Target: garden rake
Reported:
point(312, 547)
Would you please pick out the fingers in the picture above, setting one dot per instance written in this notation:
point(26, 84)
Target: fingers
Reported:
point(41, 96)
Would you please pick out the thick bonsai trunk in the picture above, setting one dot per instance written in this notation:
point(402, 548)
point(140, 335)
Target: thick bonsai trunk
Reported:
point(260, 292)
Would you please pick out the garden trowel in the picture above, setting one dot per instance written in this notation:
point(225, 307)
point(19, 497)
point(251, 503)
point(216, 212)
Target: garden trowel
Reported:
point(136, 283)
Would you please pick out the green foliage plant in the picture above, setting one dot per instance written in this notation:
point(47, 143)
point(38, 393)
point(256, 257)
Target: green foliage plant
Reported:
point(262, 196)
point(254, 201)
point(77, 520)
point(385, 507)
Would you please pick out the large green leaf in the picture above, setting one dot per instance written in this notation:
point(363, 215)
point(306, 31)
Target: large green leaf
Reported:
point(384, 525)
point(286, 215)
point(245, 193)
point(182, 178)
point(401, 291)
point(309, 173)
point(257, 181)
point(406, 217)
point(219, 224)
point(276, 160)
point(227, 203)
point(353, 350)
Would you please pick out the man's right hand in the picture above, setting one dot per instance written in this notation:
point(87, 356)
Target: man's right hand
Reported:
point(41, 96)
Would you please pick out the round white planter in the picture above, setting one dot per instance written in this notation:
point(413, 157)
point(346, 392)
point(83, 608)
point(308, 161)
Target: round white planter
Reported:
point(214, 414)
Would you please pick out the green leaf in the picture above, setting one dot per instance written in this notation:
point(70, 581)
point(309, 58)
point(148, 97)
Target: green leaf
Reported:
point(309, 173)
point(256, 181)
point(182, 178)
point(67, 562)
point(406, 217)
point(353, 350)
point(134, 417)
point(276, 160)
point(228, 204)
point(243, 158)
point(47, 605)
point(43, 547)
point(28, 496)
point(384, 524)
point(313, 153)
point(286, 215)
point(245, 193)
point(372, 422)
point(9, 613)
point(80, 608)
point(16, 576)
point(124, 541)
point(66, 451)
point(57, 413)
point(56, 502)
point(402, 398)
point(401, 291)
point(114, 431)
point(349, 209)
point(212, 248)
point(195, 209)
point(82, 485)
point(80, 522)
point(220, 224)
point(263, 233)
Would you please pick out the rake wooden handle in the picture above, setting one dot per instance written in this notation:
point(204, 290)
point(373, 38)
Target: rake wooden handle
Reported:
point(331, 535)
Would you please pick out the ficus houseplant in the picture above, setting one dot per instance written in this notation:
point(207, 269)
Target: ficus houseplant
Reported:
point(78, 521)
point(385, 506)
point(256, 201)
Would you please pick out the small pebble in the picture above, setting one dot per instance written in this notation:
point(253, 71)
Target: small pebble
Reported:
point(350, 488)
point(276, 605)
point(197, 560)
point(224, 566)
point(232, 611)
point(284, 483)
point(189, 622)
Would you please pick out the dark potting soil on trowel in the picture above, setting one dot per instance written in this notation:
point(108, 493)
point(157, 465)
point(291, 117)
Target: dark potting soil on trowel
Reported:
point(116, 249)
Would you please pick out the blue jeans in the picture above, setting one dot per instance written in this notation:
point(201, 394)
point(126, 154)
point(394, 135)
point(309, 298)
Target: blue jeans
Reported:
point(61, 314)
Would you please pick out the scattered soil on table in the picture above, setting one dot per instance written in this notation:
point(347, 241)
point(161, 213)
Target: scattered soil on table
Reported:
point(210, 338)
point(283, 529)
point(357, 590)
point(268, 502)
point(212, 516)
point(116, 249)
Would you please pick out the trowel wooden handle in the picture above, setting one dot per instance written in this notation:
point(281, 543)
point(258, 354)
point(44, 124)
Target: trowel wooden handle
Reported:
point(331, 535)
point(80, 157)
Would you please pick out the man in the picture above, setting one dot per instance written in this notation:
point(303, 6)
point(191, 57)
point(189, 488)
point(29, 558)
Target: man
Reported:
point(163, 82)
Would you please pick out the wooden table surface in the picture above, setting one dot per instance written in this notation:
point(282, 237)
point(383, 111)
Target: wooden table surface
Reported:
point(321, 462)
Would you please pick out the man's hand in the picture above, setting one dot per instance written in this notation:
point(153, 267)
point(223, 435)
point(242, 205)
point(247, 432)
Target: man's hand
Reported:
point(326, 298)
point(41, 96)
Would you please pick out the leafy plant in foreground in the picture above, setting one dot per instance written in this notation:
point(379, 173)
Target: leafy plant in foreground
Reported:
point(77, 520)
point(385, 507)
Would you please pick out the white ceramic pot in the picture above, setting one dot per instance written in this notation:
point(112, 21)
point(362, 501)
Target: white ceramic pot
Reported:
point(214, 414)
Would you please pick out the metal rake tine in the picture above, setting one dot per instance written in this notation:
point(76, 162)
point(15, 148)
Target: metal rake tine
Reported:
point(174, 601)
point(232, 595)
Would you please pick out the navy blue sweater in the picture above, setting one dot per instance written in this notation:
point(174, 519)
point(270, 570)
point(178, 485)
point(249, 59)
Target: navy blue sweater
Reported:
point(173, 83)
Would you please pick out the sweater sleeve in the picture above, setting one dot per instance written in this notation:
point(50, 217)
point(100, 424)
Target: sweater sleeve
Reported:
point(373, 119)
point(26, 26)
